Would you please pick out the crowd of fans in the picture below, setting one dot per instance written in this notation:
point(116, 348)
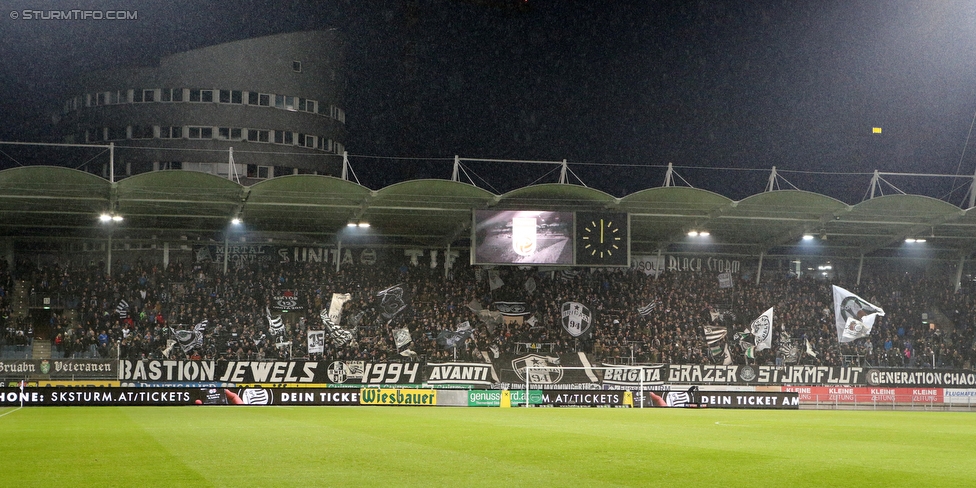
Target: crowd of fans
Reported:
point(637, 318)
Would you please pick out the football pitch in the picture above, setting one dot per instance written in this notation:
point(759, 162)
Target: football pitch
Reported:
point(417, 446)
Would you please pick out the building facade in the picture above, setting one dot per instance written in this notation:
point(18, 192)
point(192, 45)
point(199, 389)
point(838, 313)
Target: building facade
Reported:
point(272, 106)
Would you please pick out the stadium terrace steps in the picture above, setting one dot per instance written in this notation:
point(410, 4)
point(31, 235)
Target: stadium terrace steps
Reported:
point(41, 350)
point(21, 304)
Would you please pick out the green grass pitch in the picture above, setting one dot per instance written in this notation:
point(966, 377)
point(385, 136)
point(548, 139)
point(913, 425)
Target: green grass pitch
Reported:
point(404, 446)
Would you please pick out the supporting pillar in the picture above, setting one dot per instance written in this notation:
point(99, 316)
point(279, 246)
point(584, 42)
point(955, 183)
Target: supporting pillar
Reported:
point(962, 263)
point(226, 248)
point(759, 271)
point(108, 255)
point(860, 267)
point(165, 255)
point(338, 254)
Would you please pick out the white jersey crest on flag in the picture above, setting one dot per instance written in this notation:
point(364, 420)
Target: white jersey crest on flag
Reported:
point(762, 330)
point(853, 316)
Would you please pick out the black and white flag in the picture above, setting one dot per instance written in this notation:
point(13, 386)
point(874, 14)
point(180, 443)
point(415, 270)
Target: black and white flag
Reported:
point(762, 330)
point(393, 302)
point(789, 350)
point(340, 337)
point(190, 339)
point(853, 316)
point(725, 280)
point(647, 309)
point(276, 326)
point(577, 318)
point(452, 339)
point(512, 309)
point(401, 337)
point(718, 347)
point(122, 309)
point(316, 341)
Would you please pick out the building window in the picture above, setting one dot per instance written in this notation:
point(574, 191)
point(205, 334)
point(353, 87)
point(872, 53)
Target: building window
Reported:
point(231, 96)
point(171, 95)
point(171, 132)
point(116, 133)
point(100, 100)
point(265, 172)
point(229, 133)
point(149, 95)
point(200, 132)
point(296, 66)
point(203, 96)
point(289, 103)
point(252, 98)
point(265, 100)
point(142, 132)
point(113, 98)
point(136, 96)
point(279, 137)
point(279, 101)
point(255, 135)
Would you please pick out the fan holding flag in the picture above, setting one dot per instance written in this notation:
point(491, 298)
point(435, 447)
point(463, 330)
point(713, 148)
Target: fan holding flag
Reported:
point(854, 316)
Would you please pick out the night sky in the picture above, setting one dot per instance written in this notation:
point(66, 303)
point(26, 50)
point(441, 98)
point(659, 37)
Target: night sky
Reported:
point(617, 88)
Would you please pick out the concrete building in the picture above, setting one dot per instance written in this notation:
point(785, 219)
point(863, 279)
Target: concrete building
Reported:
point(276, 100)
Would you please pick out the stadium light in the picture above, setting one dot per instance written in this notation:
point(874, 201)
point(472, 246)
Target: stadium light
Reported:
point(364, 225)
point(693, 233)
point(807, 237)
point(107, 217)
point(235, 221)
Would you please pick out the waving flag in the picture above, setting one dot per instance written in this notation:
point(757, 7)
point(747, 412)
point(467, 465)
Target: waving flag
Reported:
point(647, 309)
point(577, 318)
point(122, 309)
point(762, 330)
point(452, 339)
point(853, 316)
point(190, 339)
point(401, 337)
point(276, 326)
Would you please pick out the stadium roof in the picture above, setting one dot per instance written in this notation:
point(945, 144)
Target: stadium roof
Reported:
point(45, 202)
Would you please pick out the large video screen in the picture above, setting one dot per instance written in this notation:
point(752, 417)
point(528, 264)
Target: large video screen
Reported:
point(523, 237)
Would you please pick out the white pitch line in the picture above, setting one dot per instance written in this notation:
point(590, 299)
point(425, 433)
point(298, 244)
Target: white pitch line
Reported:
point(10, 412)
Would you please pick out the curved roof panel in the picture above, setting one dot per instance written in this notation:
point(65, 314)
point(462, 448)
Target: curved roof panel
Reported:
point(47, 201)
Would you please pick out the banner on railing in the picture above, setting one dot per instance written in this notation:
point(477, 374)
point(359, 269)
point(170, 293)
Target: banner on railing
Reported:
point(335, 372)
point(479, 374)
point(921, 377)
point(58, 368)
